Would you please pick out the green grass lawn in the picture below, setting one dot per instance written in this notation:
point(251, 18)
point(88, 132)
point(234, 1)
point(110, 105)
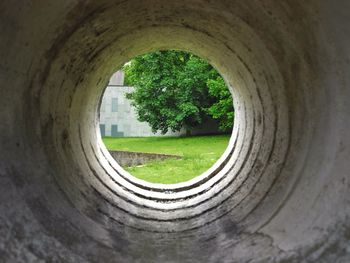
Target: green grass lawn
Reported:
point(199, 154)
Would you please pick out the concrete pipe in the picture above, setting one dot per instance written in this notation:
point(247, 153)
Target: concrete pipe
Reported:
point(280, 193)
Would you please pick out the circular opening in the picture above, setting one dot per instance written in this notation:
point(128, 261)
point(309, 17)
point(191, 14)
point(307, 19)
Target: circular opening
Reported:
point(247, 168)
point(166, 117)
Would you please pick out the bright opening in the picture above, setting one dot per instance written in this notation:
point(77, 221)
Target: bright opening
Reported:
point(167, 116)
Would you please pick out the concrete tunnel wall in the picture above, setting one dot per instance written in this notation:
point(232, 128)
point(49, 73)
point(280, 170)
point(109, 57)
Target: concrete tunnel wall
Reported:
point(280, 193)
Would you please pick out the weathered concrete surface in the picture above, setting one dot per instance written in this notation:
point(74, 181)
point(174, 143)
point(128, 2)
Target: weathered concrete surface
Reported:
point(282, 193)
point(127, 159)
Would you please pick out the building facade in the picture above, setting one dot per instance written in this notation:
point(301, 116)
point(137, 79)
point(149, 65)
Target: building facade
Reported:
point(118, 117)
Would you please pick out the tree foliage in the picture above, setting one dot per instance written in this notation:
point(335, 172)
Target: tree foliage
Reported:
point(176, 89)
point(222, 109)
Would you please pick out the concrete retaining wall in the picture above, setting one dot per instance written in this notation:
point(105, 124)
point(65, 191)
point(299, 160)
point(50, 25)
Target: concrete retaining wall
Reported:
point(127, 159)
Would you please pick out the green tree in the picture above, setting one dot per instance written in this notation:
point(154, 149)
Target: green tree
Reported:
point(222, 109)
point(171, 90)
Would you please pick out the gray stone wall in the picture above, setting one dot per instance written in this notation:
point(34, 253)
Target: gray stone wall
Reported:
point(127, 159)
